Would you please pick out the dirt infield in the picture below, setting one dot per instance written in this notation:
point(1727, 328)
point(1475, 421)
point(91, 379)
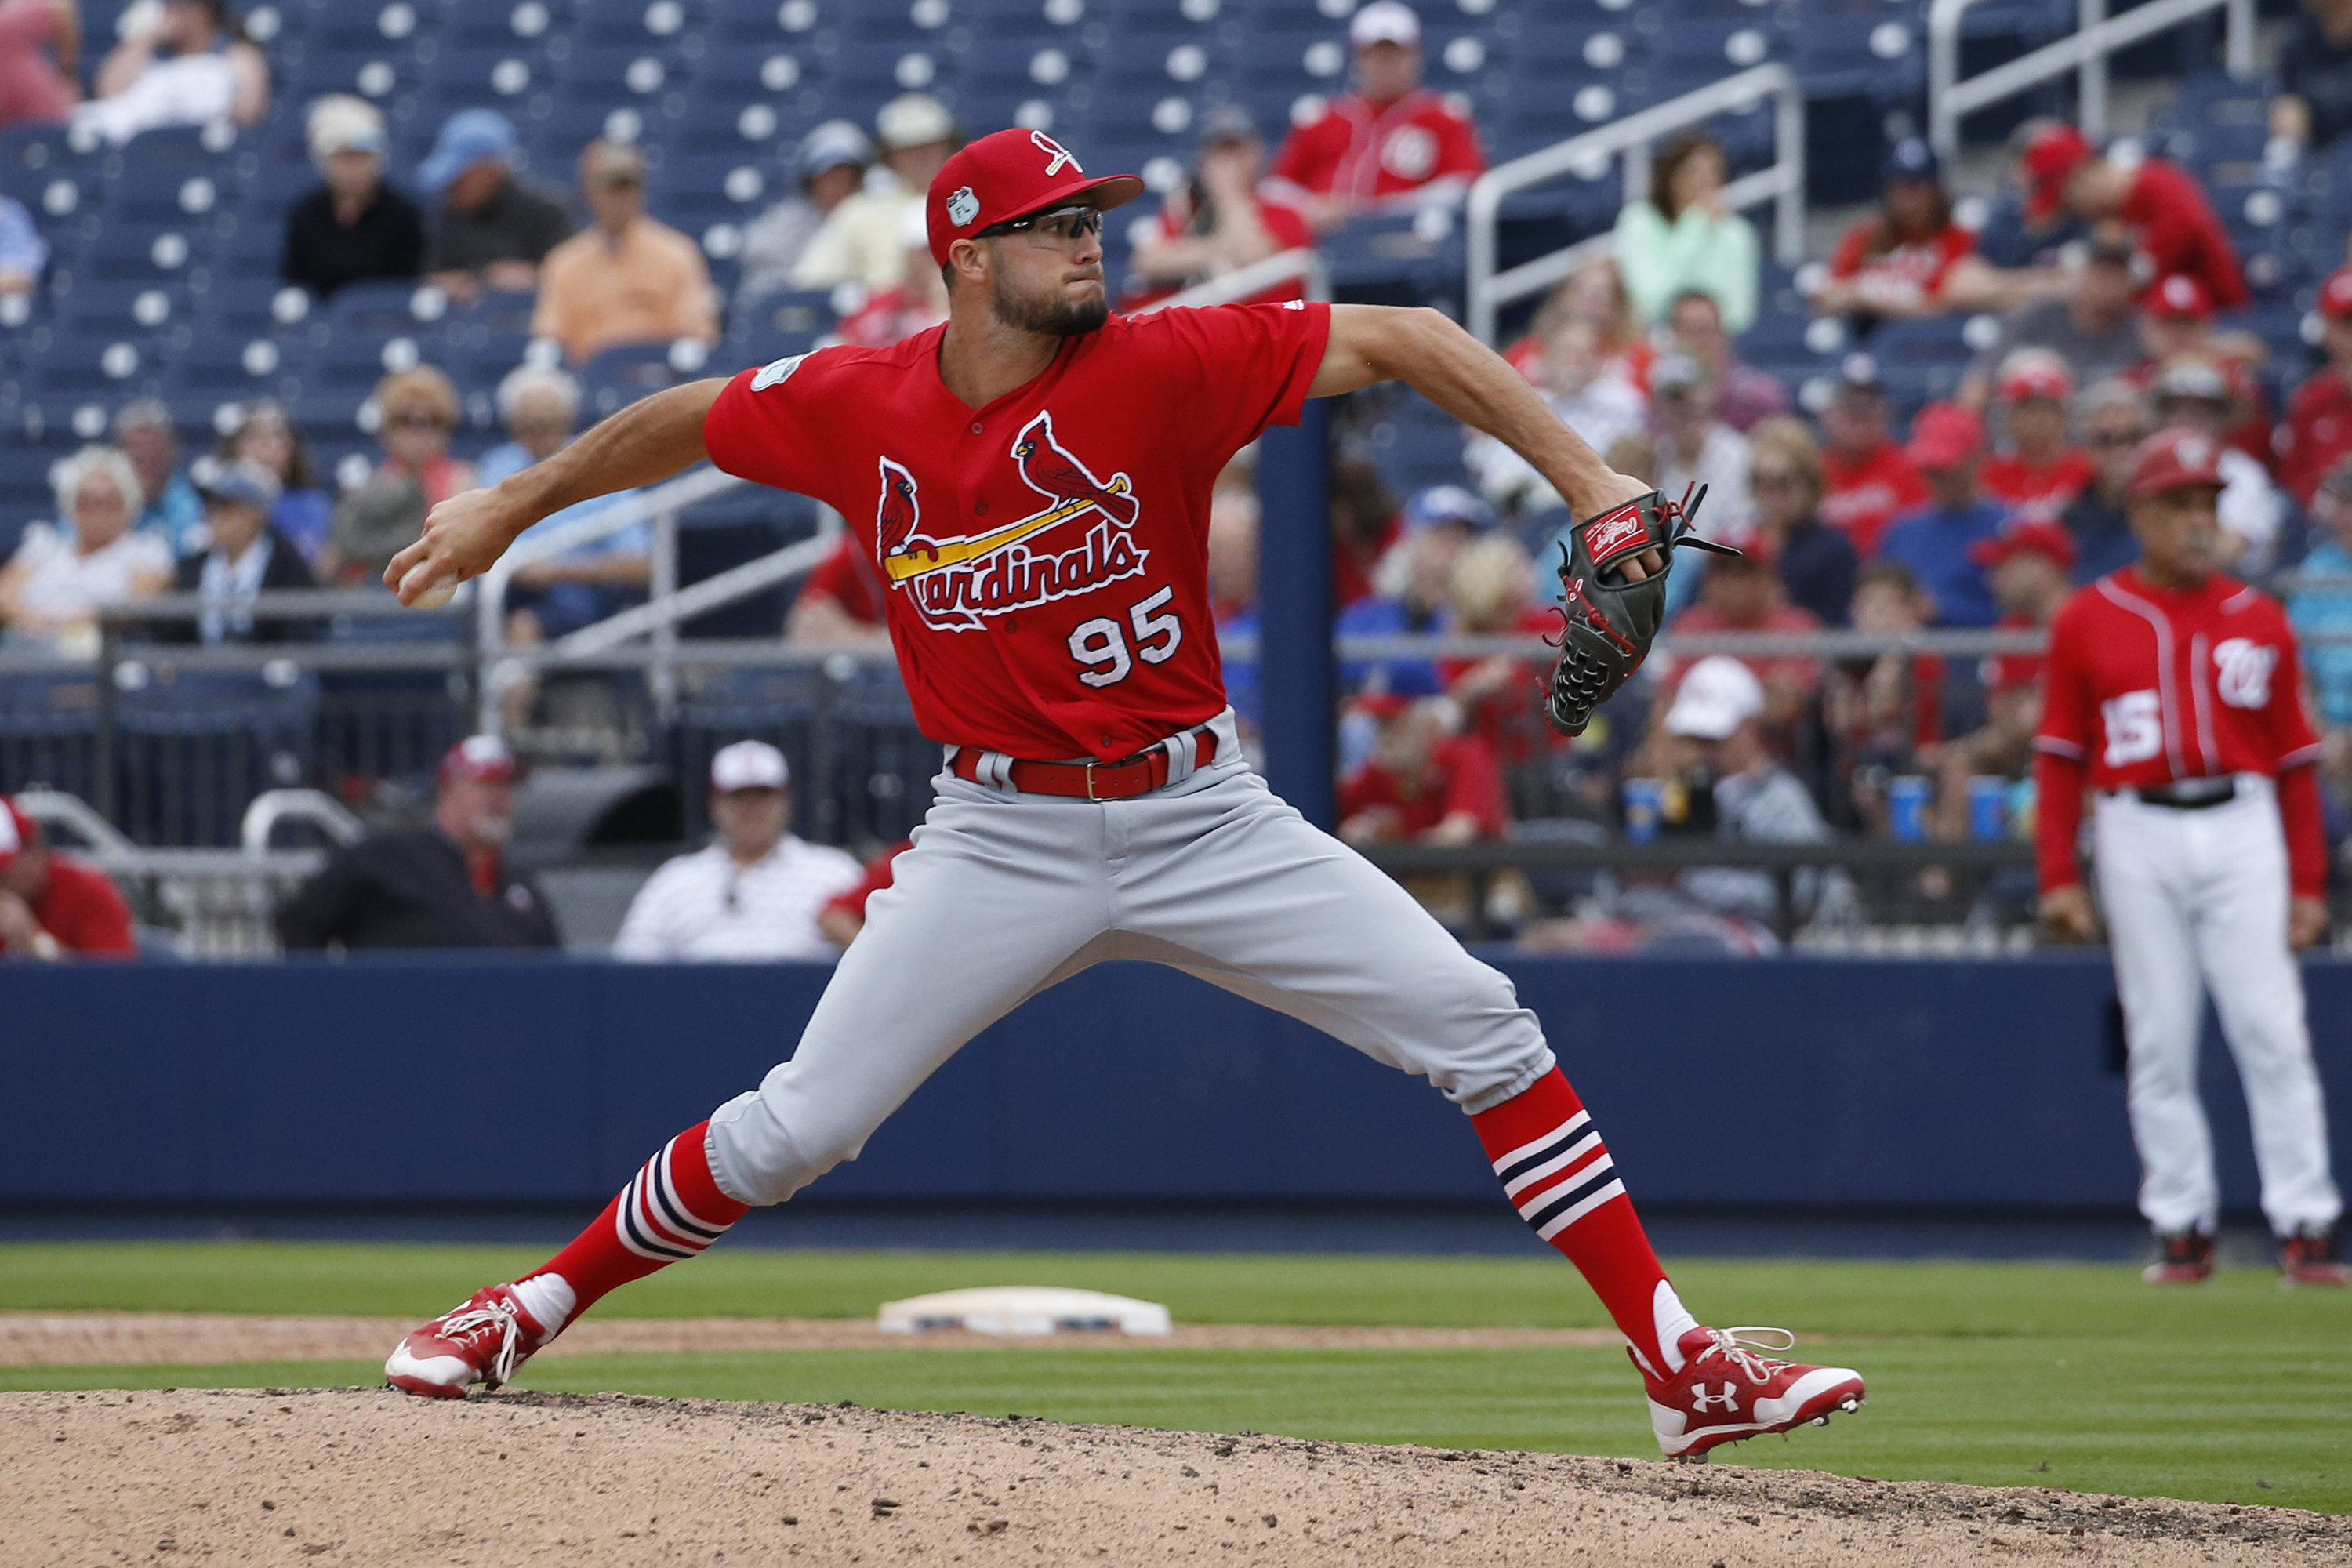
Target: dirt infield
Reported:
point(235, 1477)
point(206, 1338)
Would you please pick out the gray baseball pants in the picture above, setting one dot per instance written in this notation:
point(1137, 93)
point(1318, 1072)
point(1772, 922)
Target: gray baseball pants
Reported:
point(1005, 894)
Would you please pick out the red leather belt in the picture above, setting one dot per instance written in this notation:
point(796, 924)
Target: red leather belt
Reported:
point(1139, 775)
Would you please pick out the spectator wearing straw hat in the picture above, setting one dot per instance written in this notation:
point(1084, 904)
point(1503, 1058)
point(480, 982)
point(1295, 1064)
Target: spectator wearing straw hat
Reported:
point(54, 905)
point(752, 896)
point(627, 278)
point(355, 227)
point(444, 882)
point(2317, 434)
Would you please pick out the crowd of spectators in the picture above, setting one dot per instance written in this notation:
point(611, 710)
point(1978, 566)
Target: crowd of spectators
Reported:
point(2110, 276)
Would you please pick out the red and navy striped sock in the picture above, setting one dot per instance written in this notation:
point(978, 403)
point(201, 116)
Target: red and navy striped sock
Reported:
point(1560, 1176)
point(670, 1211)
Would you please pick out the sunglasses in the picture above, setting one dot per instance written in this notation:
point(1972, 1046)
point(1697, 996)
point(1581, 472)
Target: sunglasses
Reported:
point(417, 422)
point(1062, 225)
point(2112, 438)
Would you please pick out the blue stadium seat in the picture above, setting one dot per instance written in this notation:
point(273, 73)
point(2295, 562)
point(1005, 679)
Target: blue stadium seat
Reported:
point(48, 734)
point(136, 310)
point(620, 375)
point(779, 326)
point(192, 751)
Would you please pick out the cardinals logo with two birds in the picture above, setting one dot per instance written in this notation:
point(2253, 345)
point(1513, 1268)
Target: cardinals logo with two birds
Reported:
point(955, 583)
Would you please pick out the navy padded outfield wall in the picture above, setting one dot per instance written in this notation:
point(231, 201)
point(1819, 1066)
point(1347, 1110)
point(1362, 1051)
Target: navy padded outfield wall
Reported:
point(1797, 1083)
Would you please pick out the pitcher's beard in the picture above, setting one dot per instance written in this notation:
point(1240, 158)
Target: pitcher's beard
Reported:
point(1054, 318)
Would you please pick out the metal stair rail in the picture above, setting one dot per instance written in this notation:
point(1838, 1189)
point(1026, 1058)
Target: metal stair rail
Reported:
point(1256, 278)
point(2085, 52)
point(1783, 184)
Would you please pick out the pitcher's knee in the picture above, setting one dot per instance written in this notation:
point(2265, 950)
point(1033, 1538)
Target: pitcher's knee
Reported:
point(1486, 1048)
point(759, 1156)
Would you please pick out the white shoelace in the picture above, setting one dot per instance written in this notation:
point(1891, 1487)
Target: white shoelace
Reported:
point(502, 1365)
point(1739, 1346)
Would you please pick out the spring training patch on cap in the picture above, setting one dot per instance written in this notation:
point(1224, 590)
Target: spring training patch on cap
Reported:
point(962, 206)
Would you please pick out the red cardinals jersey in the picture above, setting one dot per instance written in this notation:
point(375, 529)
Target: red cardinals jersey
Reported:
point(1360, 149)
point(1046, 555)
point(2037, 495)
point(2148, 686)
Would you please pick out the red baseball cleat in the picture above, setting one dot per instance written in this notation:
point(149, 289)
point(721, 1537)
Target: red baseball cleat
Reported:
point(480, 1341)
point(2186, 1258)
point(2311, 1257)
point(1726, 1392)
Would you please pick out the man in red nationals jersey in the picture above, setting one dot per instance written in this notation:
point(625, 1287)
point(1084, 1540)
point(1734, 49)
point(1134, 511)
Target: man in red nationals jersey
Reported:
point(1033, 480)
point(2038, 475)
point(2158, 204)
point(2174, 692)
point(1390, 141)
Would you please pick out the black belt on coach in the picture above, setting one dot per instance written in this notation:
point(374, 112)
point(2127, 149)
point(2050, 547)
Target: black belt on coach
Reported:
point(2191, 795)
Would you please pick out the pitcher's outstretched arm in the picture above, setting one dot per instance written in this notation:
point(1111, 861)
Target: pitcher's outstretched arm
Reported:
point(645, 443)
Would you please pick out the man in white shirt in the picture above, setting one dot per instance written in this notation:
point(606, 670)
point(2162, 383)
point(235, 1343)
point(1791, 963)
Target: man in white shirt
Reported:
point(754, 895)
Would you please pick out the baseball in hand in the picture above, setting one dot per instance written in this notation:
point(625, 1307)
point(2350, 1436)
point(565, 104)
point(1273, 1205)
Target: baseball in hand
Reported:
point(433, 595)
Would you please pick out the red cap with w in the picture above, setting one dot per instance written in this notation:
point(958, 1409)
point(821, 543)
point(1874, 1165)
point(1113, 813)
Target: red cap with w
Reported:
point(1011, 175)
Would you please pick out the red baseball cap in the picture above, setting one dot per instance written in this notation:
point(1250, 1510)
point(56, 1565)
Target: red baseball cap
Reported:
point(2035, 375)
point(1384, 704)
point(482, 758)
point(2172, 458)
point(2045, 538)
point(2177, 298)
point(2055, 151)
point(17, 832)
point(1011, 175)
point(2336, 294)
point(1944, 435)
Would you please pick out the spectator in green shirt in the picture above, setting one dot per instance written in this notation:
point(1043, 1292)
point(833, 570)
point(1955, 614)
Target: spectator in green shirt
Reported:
point(1683, 239)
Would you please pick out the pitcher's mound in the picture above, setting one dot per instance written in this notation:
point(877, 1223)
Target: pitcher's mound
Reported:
point(365, 1475)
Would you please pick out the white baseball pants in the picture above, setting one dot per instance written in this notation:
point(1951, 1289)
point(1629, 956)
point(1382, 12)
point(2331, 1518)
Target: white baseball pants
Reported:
point(2197, 899)
point(1004, 895)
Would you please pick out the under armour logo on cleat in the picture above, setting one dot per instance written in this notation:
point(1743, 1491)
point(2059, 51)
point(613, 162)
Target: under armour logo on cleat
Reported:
point(1701, 1399)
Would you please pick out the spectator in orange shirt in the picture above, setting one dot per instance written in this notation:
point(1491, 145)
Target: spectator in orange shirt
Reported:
point(2042, 473)
point(1219, 221)
point(1420, 784)
point(2158, 204)
point(626, 279)
point(2317, 431)
point(1390, 143)
point(54, 905)
point(1865, 477)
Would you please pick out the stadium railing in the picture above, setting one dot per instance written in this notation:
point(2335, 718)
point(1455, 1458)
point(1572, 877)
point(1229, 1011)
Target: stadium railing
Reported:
point(1781, 184)
point(2085, 52)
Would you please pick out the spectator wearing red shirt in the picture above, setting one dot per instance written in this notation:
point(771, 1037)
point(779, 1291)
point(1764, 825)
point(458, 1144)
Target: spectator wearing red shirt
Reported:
point(1391, 142)
point(1865, 477)
point(2041, 473)
point(1421, 784)
point(2175, 318)
point(842, 601)
point(1743, 594)
point(1218, 221)
point(2161, 204)
point(53, 905)
point(2029, 567)
point(843, 916)
point(2317, 431)
point(1894, 261)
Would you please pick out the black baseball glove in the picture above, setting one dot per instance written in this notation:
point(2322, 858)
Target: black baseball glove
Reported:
point(1612, 621)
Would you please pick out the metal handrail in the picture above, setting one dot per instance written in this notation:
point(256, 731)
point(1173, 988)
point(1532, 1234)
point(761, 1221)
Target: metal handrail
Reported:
point(272, 807)
point(1783, 184)
point(48, 806)
point(2083, 52)
point(684, 604)
point(1242, 282)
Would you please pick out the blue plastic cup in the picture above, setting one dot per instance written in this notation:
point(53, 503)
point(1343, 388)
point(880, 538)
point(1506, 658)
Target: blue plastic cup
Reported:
point(1988, 808)
point(1906, 806)
point(1645, 803)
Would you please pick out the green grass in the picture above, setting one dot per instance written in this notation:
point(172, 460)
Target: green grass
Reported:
point(1982, 1373)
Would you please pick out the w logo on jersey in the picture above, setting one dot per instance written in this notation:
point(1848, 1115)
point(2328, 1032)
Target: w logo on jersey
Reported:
point(954, 583)
point(2243, 671)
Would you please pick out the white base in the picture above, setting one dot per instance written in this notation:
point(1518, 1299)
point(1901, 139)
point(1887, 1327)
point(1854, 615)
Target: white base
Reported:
point(1023, 1310)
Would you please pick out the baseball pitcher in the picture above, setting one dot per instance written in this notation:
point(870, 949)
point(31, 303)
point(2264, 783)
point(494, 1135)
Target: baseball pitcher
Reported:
point(1032, 482)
